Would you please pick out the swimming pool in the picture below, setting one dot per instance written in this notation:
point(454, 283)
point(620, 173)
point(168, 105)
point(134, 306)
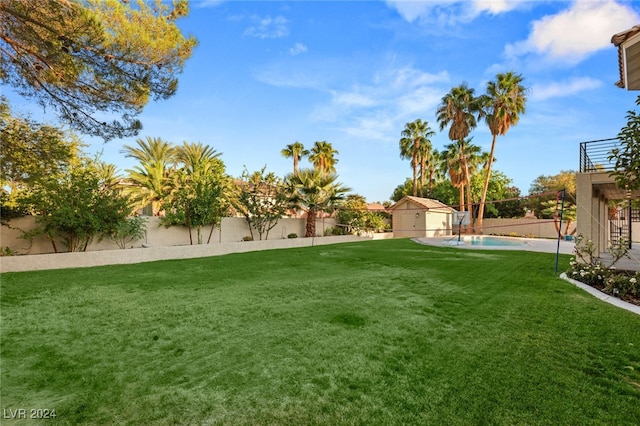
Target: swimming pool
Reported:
point(492, 241)
point(485, 241)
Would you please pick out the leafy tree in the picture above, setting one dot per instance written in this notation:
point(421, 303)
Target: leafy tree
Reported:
point(198, 190)
point(403, 190)
point(546, 188)
point(446, 193)
point(314, 190)
point(296, 151)
point(556, 210)
point(87, 58)
point(415, 133)
point(77, 206)
point(30, 151)
point(323, 157)
point(512, 205)
point(503, 104)
point(502, 197)
point(356, 218)
point(627, 158)
point(262, 200)
point(198, 199)
point(151, 179)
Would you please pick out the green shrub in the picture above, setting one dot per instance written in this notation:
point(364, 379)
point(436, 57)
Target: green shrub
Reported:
point(7, 251)
point(130, 230)
point(292, 235)
point(587, 268)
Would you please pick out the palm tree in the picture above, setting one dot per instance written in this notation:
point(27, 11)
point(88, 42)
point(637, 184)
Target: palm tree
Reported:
point(452, 166)
point(151, 178)
point(415, 133)
point(196, 156)
point(314, 190)
point(462, 160)
point(433, 170)
point(504, 103)
point(461, 109)
point(323, 157)
point(296, 151)
point(425, 159)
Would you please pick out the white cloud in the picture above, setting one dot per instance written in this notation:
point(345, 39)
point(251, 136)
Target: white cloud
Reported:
point(297, 49)
point(563, 88)
point(352, 99)
point(207, 3)
point(451, 11)
point(268, 27)
point(495, 6)
point(573, 34)
point(375, 110)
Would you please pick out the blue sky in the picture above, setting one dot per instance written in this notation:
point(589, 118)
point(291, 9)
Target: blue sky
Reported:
point(269, 73)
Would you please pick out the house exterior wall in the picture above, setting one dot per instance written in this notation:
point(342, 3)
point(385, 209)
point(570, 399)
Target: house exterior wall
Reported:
point(591, 209)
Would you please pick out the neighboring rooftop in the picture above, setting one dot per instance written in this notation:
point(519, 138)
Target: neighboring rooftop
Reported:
point(628, 44)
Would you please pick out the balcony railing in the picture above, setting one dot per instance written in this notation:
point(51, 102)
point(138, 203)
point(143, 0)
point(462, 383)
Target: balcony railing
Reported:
point(594, 155)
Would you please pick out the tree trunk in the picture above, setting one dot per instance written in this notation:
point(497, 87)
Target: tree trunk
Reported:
point(311, 222)
point(469, 207)
point(485, 188)
point(210, 233)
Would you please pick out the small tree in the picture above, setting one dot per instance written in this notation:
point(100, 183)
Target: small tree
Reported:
point(197, 200)
point(262, 199)
point(627, 158)
point(77, 206)
point(569, 215)
point(354, 215)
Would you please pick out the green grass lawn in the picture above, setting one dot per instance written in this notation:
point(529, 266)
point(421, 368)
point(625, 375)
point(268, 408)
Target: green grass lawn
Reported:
point(379, 332)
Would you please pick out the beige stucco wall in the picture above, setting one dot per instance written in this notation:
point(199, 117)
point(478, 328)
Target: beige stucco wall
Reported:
point(538, 228)
point(592, 210)
point(138, 255)
point(232, 229)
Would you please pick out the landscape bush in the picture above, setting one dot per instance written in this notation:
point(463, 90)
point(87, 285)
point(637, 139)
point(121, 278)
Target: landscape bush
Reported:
point(588, 268)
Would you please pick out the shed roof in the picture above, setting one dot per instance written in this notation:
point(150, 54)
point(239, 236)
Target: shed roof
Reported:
point(426, 203)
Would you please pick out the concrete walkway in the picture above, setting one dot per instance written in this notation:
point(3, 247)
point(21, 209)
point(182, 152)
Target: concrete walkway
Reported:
point(629, 263)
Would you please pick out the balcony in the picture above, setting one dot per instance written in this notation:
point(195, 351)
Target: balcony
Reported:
point(594, 155)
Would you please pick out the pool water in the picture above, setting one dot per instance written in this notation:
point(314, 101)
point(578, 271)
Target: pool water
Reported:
point(491, 241)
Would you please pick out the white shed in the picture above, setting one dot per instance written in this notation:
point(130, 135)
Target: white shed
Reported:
point(421, 217)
